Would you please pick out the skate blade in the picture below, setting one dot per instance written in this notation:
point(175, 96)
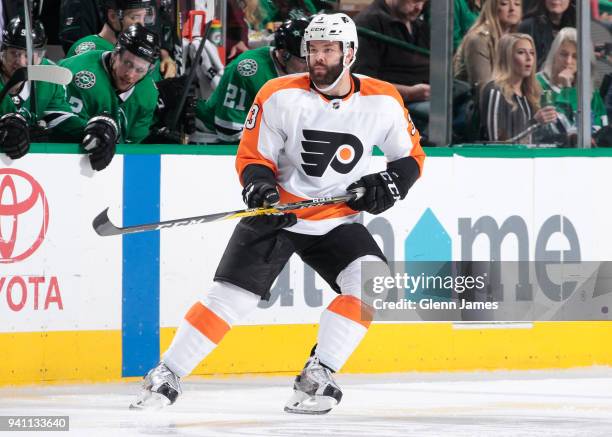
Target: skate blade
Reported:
point(301, 403)
point(150, 401)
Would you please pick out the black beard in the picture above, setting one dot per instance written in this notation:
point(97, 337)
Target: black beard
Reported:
point(328, 78)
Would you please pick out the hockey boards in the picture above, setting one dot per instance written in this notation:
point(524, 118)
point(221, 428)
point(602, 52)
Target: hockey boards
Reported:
point(41, 73)
point(104, 227)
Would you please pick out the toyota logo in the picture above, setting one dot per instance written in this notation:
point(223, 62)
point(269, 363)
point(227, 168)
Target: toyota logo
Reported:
point(24, 215)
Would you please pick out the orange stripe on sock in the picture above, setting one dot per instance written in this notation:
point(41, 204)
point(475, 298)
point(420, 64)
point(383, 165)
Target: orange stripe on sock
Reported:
point(207, 322)
point(353, 309)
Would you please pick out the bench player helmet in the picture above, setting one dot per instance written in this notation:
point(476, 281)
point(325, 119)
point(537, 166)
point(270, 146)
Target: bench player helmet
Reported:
point(140, 42)
point(289, 36)
point(14, 34)
point(120, 6)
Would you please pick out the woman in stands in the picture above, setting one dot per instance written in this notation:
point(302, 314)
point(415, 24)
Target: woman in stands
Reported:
point(558, 76)
point(510, 103)
point(545, 19)
point(476, 54)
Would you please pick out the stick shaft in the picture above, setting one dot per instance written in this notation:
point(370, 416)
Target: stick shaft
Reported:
point(104, 227)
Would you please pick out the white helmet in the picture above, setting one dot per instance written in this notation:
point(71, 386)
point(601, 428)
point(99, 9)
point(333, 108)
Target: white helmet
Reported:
point(332, 27)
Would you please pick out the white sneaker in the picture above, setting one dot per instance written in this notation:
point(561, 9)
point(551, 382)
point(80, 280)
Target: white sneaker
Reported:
point(160, 388)
point(314, 390)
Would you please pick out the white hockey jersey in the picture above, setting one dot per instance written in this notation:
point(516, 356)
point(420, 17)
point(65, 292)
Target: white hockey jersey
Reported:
point(317, 147)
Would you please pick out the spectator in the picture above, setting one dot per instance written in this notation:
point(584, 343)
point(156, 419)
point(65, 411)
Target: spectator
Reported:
point(558, 76)
point(19, 124)
point(510, 103)
point(119, 15)
point(116, 84)
point(465, 13)
point(407, 71)
point(476, 55)
point(544, 21)
point(226, 110)
point(277, 11)
point(243, 15)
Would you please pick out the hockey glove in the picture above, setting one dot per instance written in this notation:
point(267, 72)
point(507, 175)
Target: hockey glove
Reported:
point(100, 141)
point(383, 189)
point(14, 135)
point(260, 193)
point(269, 223)
point(259, 187)
point(380, 193)
point(170, 92)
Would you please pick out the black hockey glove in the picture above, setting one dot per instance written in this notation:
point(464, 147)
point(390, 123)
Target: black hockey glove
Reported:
point(383, 189)
point(14, 135)
point(269, 223)
point(259, 187)
point(100, 141)
point(170, 92)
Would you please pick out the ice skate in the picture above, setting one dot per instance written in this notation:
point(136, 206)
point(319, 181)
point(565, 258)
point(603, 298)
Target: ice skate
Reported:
point(315, 391)
point(160, 388)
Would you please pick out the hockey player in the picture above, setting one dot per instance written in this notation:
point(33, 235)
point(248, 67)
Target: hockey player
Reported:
point(119, 16)
point(116, 84)
point(18, 125)
point(226, 110)
point(306, 135)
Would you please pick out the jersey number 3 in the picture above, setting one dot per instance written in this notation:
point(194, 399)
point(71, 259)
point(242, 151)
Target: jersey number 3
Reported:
point(252, 117)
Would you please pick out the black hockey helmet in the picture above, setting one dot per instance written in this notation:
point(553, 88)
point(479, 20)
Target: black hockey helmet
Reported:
point(123, 5)
point(140, 42)
point(289, 35)
point(14, 34)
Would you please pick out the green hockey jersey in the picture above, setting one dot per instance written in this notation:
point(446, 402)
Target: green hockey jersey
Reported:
point(566, 103)
point(91, 93)
point(51, 107)
point(227, 108)
point(96, 42)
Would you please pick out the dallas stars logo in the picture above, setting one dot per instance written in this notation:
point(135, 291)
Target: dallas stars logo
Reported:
point(247, 67)
point(84, 47)
point(85, 79)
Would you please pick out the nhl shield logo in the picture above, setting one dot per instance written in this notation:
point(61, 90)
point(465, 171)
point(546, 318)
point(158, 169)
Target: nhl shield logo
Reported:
point(85, 79)
point(247, 67)
point(84, 47)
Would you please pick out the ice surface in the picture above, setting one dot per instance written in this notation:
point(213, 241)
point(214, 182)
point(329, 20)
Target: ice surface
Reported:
point(521, 403)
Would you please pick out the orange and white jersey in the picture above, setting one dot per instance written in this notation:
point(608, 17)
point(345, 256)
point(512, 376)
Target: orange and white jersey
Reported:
point(316, 147)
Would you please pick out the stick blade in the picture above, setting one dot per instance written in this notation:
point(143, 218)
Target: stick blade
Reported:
point(103, 226)
point(50, 73)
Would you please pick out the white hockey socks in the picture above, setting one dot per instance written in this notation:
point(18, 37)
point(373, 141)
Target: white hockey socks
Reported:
point(341, 329)
point(205, 324)
point(346, 320)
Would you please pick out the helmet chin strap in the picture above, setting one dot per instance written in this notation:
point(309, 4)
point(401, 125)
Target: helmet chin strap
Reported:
point(345, 67)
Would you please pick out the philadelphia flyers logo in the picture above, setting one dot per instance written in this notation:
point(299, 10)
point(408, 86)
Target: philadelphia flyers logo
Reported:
point(340, 151)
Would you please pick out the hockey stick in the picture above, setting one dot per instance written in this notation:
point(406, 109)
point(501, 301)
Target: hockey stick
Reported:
point(189, 81)
point(41, 73)
point(30, 53)
point(104, 227)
